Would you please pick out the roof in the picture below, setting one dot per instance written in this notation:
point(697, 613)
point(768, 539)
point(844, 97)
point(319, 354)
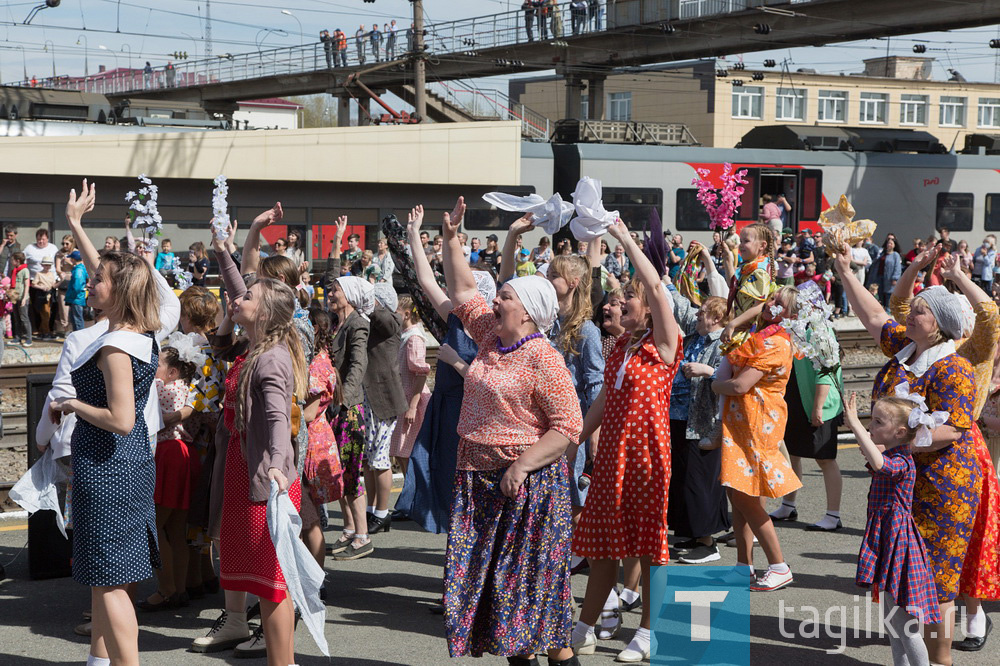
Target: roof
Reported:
point(271, 102)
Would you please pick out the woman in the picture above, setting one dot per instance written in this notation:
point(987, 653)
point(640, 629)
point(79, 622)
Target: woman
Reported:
point(965, 257)
point(981, 566)
point(983, 261)
point(294, 251)
point(430, 477)
point(949, 478)
point(626, 515)
point(605, 251)
point(111, 442)
point(281, 247)
point(617, 263)
point(815, 411)
point(383, 260)
point(611, 321)
point(890, 267)
point(507, 588)
point(543, 253)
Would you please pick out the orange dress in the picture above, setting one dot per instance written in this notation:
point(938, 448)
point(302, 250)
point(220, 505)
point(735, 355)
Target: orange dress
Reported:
point(753, 424)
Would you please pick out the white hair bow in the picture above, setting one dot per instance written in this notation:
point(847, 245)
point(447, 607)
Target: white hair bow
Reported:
point(921, 418)
point(187, 346)
point(548, 215)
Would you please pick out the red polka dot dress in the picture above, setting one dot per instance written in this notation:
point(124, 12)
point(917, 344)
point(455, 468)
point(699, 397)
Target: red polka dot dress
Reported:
point(626, 511)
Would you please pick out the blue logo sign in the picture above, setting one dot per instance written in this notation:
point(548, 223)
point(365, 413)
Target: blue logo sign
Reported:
point(700, 616)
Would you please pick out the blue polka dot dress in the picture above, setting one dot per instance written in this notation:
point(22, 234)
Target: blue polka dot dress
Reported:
point(114, 476)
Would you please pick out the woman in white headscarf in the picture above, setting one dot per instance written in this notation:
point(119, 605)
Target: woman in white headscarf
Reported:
point(921, 353)
point(507, 589)
point(353, 299)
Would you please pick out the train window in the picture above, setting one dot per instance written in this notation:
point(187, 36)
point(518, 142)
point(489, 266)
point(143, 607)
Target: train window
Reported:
point(749, 209)
point(812, 195)
point(992, 222)
point(955, 211)
point(691, 215)
point(480, 217)
point(633, 204)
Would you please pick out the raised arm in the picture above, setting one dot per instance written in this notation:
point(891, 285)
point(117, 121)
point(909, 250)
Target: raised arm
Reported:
point(230, 241)
point(951, 269)
point(76, 208)
point(457, 272)
point(425, 275)
point(333, 261)
point(665, 329)
point(508, 262)
point(231, 277)
point(251, 247)
point(863, 304)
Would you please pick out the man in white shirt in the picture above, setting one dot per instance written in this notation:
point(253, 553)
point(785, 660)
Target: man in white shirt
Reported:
point(39, 250)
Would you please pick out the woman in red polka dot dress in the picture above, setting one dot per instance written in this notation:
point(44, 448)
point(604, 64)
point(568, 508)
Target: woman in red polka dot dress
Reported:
point(626, 511)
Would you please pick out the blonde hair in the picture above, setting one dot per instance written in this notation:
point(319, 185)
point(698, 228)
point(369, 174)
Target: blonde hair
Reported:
point(135, 298)
point(639, 289)
point(569, 268)
point(900, 408)
point(716, 306)
point(405, 305)
point(763, 232)
point(274, 327)
point(279, 267)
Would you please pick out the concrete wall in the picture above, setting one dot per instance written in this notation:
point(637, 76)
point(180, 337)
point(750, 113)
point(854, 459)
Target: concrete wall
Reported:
point(268, 117)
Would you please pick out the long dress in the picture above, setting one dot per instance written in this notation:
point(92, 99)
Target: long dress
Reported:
point(322, 471)
point(753, 423)
point(428, 490)
point(626, 510)
point(949, 481)
point(114, 476)
point(412, 364)
point(247, 560)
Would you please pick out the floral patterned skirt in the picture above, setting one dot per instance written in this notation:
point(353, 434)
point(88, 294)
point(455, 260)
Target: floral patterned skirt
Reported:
point(981, 569)
point(507, 586)
point(349, 428)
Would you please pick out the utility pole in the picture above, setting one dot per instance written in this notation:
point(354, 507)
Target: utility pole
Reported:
point(208, 28)
point(420, 73)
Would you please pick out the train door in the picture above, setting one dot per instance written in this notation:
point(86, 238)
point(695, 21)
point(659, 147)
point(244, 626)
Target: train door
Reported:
point(803, 188)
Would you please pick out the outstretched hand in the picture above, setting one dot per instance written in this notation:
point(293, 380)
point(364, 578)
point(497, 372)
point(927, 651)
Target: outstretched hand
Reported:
point(842, 260)
point(78, 206)
point(924, 259)
point(618, 230)
point(414, 219)
point(522, 225)
point(453, 221)
point(341, 227)
point(951, 267)
point(270, 216)
point(218, 244)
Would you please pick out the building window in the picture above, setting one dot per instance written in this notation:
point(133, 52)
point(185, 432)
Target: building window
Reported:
point(832, 106)
point(873, 108)
point(748, 102)
point(791, 104)
point(620, 106)
point(989, 112)
point(952, 112)
point(584, 106)
point(954, 210)
point(913, 110)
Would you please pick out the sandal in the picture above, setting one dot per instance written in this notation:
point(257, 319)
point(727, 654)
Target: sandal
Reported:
point(165, 603)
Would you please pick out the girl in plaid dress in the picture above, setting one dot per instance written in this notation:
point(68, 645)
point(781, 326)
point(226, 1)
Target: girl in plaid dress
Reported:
point(892, 557)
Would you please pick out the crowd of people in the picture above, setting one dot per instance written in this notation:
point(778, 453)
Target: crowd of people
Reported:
point(624, 400)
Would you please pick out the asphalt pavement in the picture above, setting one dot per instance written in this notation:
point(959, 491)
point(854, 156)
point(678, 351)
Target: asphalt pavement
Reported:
point(378, 607)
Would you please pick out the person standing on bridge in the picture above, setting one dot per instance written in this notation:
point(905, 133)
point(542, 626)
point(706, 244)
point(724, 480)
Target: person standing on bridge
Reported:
point(542, 14)
point(327, 41)
point(171, 74)
point(578, 15)
point(376, 40)
point(390, 42)
point(529, 18)
point(359, 42)
point(340, 40)
point(596, 13)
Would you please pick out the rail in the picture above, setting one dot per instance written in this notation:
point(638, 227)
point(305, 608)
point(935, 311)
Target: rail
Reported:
point(455, 39)
point(497, 104)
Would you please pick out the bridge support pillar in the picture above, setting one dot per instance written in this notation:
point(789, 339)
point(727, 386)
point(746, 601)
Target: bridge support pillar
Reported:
point(574, 93)
point(364, 109)
point(595, 98)
point(343, 110)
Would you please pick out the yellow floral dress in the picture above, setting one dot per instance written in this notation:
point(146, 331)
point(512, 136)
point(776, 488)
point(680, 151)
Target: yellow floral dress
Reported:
point(751, 287)
point(753, 424)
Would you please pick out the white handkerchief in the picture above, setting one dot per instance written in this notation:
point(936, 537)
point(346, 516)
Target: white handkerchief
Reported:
point(36, 490)
point(592, 220)
point(550, 215)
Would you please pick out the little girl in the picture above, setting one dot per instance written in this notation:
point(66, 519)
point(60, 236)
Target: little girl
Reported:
point(174, 473)
point(413, 370)
point(892, 557)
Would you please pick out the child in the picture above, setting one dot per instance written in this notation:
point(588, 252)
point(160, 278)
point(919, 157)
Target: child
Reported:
point(197, 264)
point(43, 288)
point(524, 266)
point(165, 258)
point(174, 474)
point(20, 278)
point(413, 370)
point(892, 557)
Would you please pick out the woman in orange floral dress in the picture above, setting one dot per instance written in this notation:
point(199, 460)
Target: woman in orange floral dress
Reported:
point(981, 569)
point(753, 424)
point(949, 478)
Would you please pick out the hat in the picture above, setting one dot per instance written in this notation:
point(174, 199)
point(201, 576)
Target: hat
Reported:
point(492, 237)
point(524, 252)
point(787, 239)
point(46, 260)
point(75, 255)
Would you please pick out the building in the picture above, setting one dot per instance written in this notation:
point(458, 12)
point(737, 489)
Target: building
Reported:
point(893, 92)
point(271, 113)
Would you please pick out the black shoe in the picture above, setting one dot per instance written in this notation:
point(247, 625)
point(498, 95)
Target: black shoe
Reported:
point(211, 586)
point(794, 515)
point(572, 661)
point(399, 515)
point(521, 661)
point(376, 524)
point(816, 528)
point(701, 554)
point(581, 566)
point(167, 603)
point(253, 611)
point(626, 607)
point(974, 643)
point(684, 546)
point(196, 592)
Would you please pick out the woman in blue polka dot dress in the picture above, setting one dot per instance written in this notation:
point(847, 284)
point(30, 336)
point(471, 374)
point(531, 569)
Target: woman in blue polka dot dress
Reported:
point(114, 535)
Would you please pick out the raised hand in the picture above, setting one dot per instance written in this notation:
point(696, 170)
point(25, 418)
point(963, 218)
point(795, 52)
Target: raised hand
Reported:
point(78, 206)
point(218, 244)
point(270, 216)
point(341, 223)
point(951, 267)
point(618, 230)
point(927, 256)
point(458, 213)
point(453, 220)
point(842, 258)
point(414, 219)
point(522, 225)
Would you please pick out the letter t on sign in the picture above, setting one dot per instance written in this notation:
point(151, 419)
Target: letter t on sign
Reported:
point(701, 610)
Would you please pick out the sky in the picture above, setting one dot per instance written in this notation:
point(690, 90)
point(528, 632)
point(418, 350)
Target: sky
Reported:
point(123, 32)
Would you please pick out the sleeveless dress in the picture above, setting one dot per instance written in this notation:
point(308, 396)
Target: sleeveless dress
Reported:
point(114, 520)
point(247, 560)
point(626, 510)
point(430, 477)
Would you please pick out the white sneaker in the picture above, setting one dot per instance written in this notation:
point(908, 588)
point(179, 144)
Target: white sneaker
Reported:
point(734, 577)
point(228, 631)
point(252, 647)
point(587, 646)
point(630, 656)
point(771, 580)
point(611, 622)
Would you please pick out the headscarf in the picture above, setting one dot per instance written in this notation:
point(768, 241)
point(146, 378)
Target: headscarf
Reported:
point(539, 299)
point(548, 215)
point(946, 308)
point(968, 315)
point(592, 219)
point(386, 295)
point(486, 285)
point(359, 293)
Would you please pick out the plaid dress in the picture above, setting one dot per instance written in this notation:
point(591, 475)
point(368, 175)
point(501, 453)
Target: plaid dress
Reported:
point(892, 556)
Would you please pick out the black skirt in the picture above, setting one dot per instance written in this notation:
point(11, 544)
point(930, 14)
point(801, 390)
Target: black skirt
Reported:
point(697, 505)
point(802, 439)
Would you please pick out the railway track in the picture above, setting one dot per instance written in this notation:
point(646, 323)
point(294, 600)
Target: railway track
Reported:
point(14, 375)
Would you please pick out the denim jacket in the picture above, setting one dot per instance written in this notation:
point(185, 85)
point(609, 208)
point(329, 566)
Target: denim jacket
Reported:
point(703, 409)
point(587, 367)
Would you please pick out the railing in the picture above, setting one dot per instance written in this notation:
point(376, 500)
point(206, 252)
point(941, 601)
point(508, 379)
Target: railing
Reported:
point(454, 40)
point(496, 104)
